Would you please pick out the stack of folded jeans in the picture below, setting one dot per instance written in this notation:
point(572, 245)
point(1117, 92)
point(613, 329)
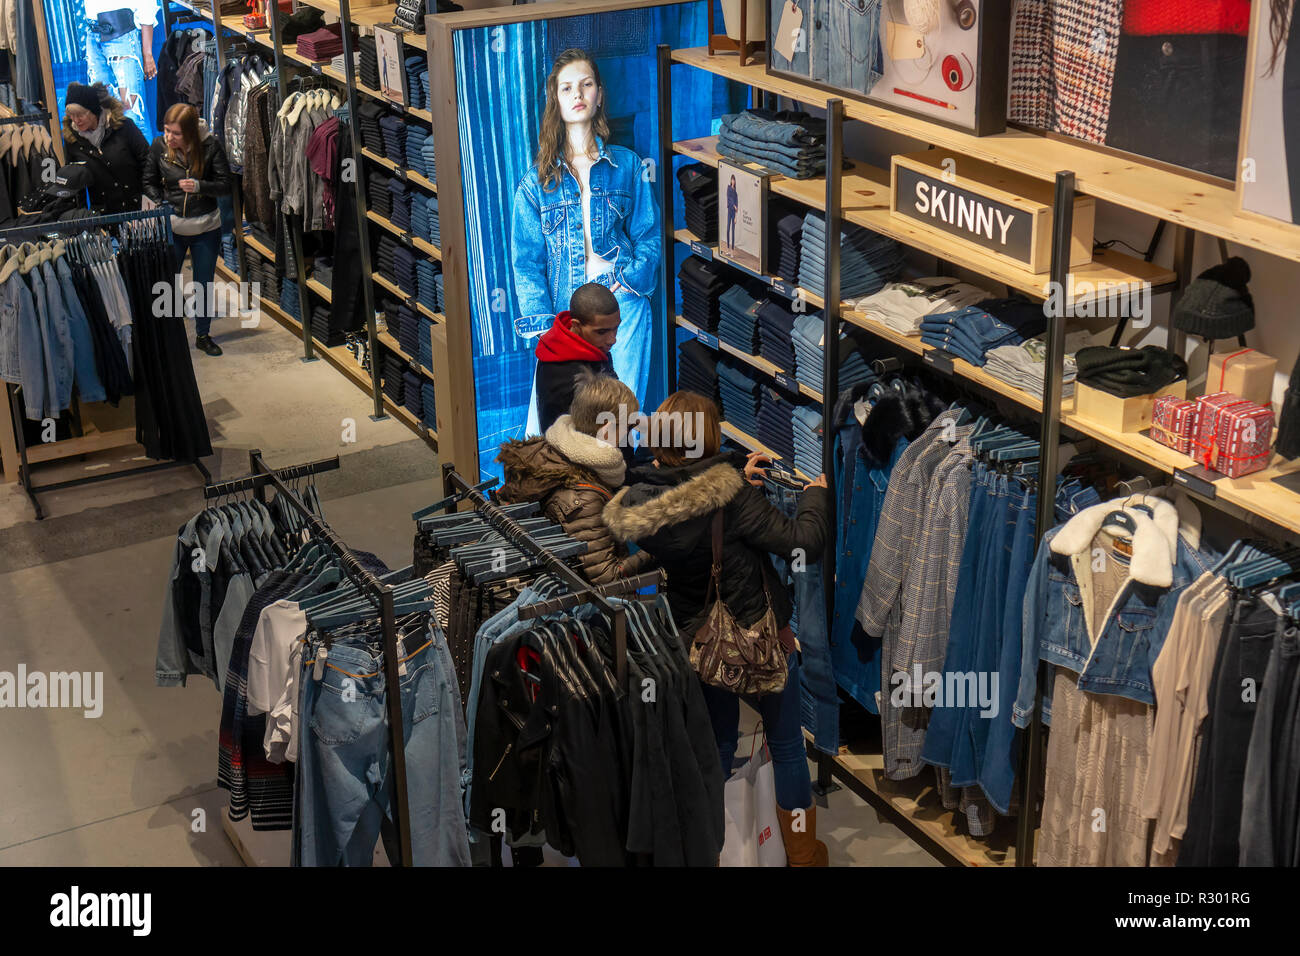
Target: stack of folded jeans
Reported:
point(415, 137)
point(417, 67)
point(442, 295)
point(369, 115)
point(323, 271)
point(424, 217)
point(697, 370)
point(430, 160)
point(393, 128)
point(262, 271)
point(807, 427)
point(789, 229)
point(409, 339)
point(1024, 365)
point(400, 216)
point(702, 283)
point(289, 299)
point(776, 335)
point(868, 260)
point(394, 371)
point(380, 199)
point(789, 142)
point(412, 394)
point(230, 252)
point(738, 386)
point(738, 325)
point(369, 66)
point(776, 422)
point(430, 416)
point(700, 198)
point(971, 332)
point(392, 320)
point(810, 354)
point(396, 263)
point(424, 347)
point(426, 282)
point(320, 327)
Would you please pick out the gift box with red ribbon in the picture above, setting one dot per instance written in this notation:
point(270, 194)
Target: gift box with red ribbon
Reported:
point(1233, 436)
point(1173, 422)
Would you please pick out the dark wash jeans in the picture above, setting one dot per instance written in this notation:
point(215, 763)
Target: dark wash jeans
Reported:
point(204, 249)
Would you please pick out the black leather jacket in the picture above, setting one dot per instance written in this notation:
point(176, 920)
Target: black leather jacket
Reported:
point(162, 178)
point(117, 163)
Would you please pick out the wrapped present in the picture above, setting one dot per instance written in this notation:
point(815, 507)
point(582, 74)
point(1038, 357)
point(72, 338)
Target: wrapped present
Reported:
point(1233, 436)
point(1173, 422)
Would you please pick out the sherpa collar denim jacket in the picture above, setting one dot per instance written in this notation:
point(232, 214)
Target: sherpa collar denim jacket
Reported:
point(547, 252)
point(1113, 653)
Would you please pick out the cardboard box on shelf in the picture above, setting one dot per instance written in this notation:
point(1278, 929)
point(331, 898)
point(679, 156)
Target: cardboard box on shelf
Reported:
point(1244, 372)
point(1121, 414)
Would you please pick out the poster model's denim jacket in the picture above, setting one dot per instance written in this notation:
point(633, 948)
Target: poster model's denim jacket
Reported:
point(1058, 602)
point(547, 251)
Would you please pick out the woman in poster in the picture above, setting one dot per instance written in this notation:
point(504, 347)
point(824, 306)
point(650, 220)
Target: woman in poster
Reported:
point(733, 201)
point(585, 212)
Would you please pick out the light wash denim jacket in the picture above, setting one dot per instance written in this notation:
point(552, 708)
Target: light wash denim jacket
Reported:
point(547, 251)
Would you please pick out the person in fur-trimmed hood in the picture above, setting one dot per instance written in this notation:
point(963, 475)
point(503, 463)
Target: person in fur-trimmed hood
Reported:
point(573, 471)
point(667, 509)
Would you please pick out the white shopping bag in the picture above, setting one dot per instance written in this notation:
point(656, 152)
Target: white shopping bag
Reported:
point(753, 834)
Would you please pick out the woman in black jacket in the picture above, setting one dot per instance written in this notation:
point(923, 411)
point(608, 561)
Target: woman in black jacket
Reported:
point(187, 167)
point(667, 509)
point(99, 134)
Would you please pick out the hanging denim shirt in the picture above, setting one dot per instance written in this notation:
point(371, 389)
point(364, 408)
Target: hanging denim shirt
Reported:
point(45, 402)
point(856, 60)
point(85, 374)
point(547, 248)
point(22, 358)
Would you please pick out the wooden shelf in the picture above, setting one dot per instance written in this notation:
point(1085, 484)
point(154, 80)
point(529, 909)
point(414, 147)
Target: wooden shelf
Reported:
point(320, 289)
point(865, 190)
point(428, 248)
point(357, 12)
point(410, 174)
point(769, 369)
point(753, 444)
point(392, 344)
point(390, 286)
point(1179, 198)
point(254, 243)
point(689, 238)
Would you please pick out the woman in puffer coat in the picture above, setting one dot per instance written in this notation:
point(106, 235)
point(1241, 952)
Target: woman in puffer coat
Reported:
point(667, 509)
point(574, 471)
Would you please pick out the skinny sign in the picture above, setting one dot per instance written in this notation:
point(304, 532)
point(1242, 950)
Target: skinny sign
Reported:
point(940, 205)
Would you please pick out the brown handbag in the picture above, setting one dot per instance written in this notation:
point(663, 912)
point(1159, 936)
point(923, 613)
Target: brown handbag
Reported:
point(743, 660)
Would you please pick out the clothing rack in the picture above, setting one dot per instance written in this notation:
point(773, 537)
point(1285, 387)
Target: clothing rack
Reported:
point(15, 445)
point(374, 590)
point(582, 591)
point(566, 601)
point(36, 116)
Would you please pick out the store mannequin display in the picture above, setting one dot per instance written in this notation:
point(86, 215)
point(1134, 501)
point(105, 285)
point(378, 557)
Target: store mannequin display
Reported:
point(578, 171)
point(119, 49)
point(667, 508)
point(98, 133)
point(577, 344)
point(187, 167)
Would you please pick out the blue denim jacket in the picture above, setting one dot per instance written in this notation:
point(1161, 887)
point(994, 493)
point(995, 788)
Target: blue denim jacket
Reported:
point(22, 357)
point(1131, 634)
point(547, 251)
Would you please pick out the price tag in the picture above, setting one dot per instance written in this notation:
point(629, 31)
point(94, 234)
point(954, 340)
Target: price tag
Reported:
point(783, 287)
point(404, 236)
point(400, 173)
point(785, 381)
point(701, 250)
point(1197, 483)
point(939, 359)
point(710, 340)
point(410, 304)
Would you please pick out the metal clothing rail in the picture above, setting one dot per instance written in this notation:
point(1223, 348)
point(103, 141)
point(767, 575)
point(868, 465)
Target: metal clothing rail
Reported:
point(35, 116)
point(67, 227)
point(453, 483)
point(566, 601)
point(378, 593)
point(260, 479)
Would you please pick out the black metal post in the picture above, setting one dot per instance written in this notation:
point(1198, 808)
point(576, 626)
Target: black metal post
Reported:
point(665, 174)
point(1049, 465)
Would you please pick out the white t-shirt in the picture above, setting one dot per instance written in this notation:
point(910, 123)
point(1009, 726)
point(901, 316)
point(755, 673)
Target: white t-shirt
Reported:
point(279, 627)
point(902, 305)
point(146, 11)
point(596, 266)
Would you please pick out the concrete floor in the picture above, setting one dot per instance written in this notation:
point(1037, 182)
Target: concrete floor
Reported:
point(137, 785)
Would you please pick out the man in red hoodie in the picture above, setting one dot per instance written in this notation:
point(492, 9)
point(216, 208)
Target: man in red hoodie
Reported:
point(577, 345)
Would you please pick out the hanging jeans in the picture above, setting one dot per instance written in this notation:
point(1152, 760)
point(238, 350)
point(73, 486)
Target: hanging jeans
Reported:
point(204, 250)
point(119, 65)
point(780, 714)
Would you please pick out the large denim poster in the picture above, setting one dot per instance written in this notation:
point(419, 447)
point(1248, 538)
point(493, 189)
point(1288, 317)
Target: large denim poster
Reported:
point(501, 76)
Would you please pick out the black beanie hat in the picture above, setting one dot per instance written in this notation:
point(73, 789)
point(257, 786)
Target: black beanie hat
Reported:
point(87, 97)
point(1217, 305)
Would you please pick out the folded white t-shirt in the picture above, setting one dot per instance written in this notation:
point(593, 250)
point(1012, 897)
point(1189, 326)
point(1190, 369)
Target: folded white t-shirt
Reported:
point(902, 305)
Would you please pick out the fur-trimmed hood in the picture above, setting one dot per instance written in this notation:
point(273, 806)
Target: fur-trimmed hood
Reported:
point(644, 509)
point(588, 451)
point(1158, 523)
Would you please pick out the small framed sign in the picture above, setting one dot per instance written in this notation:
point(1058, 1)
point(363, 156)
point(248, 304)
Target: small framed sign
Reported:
point(742, 206)
point(392, 68)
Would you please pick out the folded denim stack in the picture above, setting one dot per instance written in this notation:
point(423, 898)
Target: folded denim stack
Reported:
point(806, 424)
point(902, 306)
point(393, 128)
point(417, 67)
point(776, 422)
point(790, 142)
point(1025, 365)
point(697, 370)
point(262, 272)
point(412, 394)
point(702, 284)
point(263, 235)
point(738, 325)
point(323, 44)
point(868, 260)
point(230, 252)
point(776, 334)
point(700, 198)
point(426, 280)
point(430, 161)
point(394, 372)
point(424, 347)
point(424, 217)
point(789, 230)
point(290, 301)
point(442, 295)
point(396, 263)
point(415, 137)
point(369, 66)
point(430, 416)
point(738, 386)
point(971, 332)
point(808, 335)
point(369, 115)
point(320, 327)
point(409, 339)
point(392, 320)
point(400, 216)
point(379, 198)
point(323, 271)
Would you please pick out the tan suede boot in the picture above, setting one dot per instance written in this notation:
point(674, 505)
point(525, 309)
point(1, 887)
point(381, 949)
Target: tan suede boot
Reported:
point(802, 848)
